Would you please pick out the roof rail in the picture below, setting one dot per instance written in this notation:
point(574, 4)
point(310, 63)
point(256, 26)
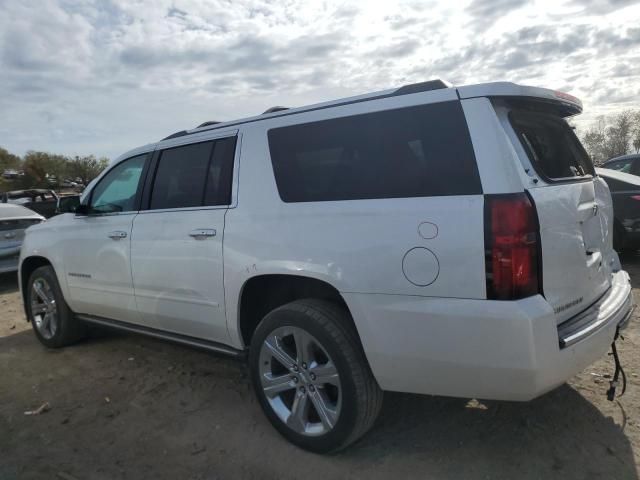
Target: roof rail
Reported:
point(404, 90)
point(421, 87)
point(181, 133)
point(206, 124)
point(277, 108)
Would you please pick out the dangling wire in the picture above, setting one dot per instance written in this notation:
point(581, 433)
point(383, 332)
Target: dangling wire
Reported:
point(611, 393)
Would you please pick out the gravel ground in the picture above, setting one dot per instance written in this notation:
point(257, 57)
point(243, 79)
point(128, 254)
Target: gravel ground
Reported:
point(131, 407)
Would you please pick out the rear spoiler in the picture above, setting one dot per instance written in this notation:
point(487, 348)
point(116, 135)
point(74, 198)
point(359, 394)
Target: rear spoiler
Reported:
point(570, 104)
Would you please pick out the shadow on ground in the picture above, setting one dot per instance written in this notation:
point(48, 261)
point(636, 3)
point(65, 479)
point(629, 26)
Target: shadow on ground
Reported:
point(132, 407)
point(8, 282)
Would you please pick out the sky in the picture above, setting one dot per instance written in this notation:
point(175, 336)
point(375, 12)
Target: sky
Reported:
point(102, 77)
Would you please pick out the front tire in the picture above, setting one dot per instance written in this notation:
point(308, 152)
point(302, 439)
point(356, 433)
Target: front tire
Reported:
point(311, 376)
point(52, 320)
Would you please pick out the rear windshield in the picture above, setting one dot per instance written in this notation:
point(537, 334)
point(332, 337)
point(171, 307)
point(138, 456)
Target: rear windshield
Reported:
point(410, 152)
point(552, 146)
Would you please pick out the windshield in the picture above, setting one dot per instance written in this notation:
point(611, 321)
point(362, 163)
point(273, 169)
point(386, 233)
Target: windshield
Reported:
point(552, 146)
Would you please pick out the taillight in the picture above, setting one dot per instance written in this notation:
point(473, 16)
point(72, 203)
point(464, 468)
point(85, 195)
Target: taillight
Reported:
point(635, 197)
point(512, 243)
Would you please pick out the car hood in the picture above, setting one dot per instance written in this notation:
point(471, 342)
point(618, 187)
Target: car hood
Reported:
point(10, 211)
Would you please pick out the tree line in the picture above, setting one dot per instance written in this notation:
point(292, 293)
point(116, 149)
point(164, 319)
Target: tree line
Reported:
point(47, 170)
point(610, 136)
point(613, 135)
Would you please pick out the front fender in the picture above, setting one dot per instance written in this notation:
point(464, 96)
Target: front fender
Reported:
point(46, 243)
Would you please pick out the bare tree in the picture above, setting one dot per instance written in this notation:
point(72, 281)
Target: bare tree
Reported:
point(635, 142)
point(42, 169)
point(86, 168)
point(594, 141)
point(46, 170)
point(613, 136)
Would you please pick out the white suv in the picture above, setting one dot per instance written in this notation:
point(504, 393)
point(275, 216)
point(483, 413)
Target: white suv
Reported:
point(427, 239)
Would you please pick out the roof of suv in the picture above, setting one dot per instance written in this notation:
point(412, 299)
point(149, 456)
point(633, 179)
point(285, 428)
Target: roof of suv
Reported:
point(570, 105)
point(495, 89)
point(630, 156)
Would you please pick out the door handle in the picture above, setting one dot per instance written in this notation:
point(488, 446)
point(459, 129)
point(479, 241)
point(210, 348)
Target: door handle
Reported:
point(200, 233)
point(117, 235)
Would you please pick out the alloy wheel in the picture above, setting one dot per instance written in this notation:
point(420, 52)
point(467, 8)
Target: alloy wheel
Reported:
point(44, 310)
point(300, 381)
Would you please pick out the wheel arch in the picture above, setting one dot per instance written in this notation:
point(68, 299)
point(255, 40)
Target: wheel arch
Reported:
point(27, 267)
point(261, 294)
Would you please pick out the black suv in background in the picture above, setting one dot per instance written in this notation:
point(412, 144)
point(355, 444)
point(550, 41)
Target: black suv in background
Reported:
point(625, 194)
point(625, 163)
point(45, 202)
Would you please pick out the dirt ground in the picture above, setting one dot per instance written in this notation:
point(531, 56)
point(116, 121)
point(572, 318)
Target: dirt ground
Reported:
point(131, 407)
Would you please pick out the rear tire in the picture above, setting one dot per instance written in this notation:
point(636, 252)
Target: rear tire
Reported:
point(324, 412)
point(52, 320)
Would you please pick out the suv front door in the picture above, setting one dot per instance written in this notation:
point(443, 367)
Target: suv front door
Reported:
point(176, 249)
point(97, 247)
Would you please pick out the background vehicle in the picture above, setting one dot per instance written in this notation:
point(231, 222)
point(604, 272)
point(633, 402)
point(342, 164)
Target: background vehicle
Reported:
point(14, 220)
point(626, 164)
point(39, 200)
point(625, 192)
point(10, 174)
point(425, 239)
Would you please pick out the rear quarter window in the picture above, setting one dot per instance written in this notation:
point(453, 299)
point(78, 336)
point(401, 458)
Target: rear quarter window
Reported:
point(551, 145)
point(418, 151)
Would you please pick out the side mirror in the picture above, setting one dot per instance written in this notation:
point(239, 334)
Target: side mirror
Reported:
point(82, 210)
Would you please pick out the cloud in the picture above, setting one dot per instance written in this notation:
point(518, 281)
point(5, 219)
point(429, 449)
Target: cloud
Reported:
point(597, 7)
point(486, 12)
point(398, 49)
point(102, 76)
point(399, 22)
point(177, 13)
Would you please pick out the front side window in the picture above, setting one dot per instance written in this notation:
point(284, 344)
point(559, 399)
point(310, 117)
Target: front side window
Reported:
point(117, 190)
point(194, 175)
point(417, 151)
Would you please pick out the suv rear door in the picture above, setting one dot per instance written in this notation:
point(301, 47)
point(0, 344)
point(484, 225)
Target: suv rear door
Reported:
point(176, 250)
point(573, 205)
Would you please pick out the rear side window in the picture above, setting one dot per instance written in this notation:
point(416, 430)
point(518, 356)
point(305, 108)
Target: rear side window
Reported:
point(551, 145)
point(218, 186)
point(411, 152)
point(194, 175)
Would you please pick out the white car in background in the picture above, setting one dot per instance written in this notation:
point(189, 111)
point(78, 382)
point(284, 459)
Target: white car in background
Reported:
point(14, 220)
point(426, 239)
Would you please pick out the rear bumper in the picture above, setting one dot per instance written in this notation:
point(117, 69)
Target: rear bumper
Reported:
point(481, 348)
